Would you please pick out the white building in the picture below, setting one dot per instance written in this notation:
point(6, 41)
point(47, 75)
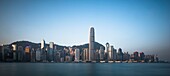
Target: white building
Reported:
point(14, 48)
point(51, 44)
point(77, 55)
point(42, 44)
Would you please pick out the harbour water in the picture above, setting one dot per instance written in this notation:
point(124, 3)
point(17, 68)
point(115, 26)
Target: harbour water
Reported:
point(84, 69)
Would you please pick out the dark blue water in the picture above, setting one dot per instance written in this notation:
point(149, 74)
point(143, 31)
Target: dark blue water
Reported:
point(84, 69)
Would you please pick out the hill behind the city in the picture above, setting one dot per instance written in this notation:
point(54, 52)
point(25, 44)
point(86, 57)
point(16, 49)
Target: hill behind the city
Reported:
point(59, 47)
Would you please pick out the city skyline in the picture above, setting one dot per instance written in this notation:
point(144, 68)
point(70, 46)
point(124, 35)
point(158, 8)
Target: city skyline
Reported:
point(130, 25)
point(94, 52)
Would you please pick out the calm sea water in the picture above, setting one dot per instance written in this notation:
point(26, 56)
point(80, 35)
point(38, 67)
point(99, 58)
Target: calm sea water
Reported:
point(84, 69)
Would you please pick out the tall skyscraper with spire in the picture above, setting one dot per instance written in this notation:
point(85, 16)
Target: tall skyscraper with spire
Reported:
point(91, 44)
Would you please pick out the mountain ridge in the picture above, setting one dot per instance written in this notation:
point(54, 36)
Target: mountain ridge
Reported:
point(59, 47)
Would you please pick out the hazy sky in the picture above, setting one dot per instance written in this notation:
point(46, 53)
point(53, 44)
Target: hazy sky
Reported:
point(142, 25)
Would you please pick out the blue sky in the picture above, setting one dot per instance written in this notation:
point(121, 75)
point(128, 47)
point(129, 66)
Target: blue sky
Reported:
point(142, 25)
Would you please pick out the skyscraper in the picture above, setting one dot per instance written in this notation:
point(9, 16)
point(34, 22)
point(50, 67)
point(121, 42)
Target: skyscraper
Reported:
point(101, 52)
point(33, 55)
point(114, 54)
point(136, 57)
point(51, 52)
point(77, 55)
point(14, 48)
point(27, 53)
point(120, 54)
point(91, 44)
point(43, 51)
point(38, 55)
point(42, 44)
point(107, 47)
point(86, 54)
point(142, 56)
point(20, 53)
point(2, 52)
point(126, 56)
point(110, 53)
point(106, 52)
point(51, 44)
